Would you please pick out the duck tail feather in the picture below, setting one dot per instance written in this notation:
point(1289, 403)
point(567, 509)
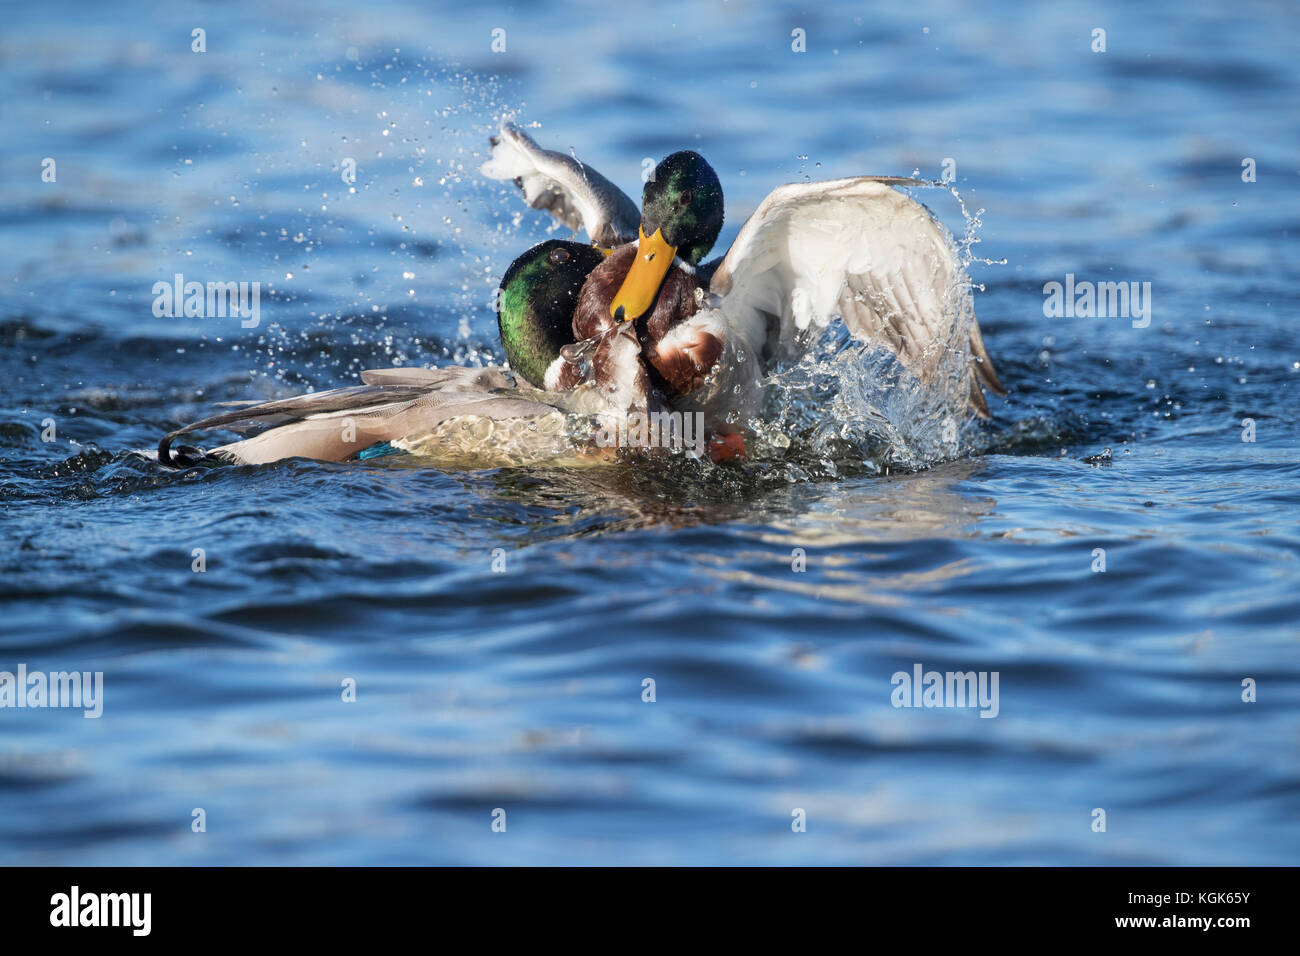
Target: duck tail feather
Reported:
point(287, 410)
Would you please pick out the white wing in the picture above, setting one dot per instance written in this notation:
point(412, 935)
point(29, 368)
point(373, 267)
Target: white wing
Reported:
point(574, 193)
point(860, 249)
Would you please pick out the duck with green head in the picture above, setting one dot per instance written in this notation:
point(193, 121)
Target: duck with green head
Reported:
point(858, 250)
point(535, 307)
point(641, 324)
point(645, 289)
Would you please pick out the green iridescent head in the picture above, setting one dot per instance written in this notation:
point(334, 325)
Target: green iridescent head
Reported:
point(684, 201)
point(539, 293)
point(681, 216)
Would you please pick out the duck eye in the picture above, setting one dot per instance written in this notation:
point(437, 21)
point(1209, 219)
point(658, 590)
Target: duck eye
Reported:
point(686, 198)
point(559, 256)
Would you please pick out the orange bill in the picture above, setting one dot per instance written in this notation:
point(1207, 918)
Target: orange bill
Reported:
point(654, 257)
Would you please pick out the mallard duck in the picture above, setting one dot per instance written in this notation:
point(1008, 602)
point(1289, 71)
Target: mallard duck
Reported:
point(706, 333)
point(636, 322)
point(471, 417)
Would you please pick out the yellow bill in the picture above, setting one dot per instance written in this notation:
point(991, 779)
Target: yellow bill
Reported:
point(654, 257)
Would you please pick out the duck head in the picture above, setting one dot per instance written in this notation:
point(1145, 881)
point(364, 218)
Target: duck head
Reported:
point(681, 216)
point(535, 306)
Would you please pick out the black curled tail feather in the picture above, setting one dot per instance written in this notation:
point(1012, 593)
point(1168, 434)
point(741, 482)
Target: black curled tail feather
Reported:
point(184, 456)
point(187, 455)
point(165, 449)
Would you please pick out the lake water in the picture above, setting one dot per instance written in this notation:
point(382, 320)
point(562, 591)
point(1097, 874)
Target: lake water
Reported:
point(1119, 690)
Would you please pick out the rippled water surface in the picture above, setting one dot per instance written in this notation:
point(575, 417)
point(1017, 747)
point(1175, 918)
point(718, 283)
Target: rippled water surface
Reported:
point(1120, 690)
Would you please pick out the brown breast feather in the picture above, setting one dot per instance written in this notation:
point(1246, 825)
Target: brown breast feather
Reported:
point(683, 366)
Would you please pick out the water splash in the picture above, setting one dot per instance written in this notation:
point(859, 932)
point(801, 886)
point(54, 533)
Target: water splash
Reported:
point(852, 405)
point(578, 354)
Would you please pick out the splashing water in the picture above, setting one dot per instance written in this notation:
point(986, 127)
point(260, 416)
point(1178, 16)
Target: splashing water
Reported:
point(847, 404)
point(578, 354)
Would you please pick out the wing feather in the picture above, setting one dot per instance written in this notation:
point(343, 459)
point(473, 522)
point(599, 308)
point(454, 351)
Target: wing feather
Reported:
point(859, 249)
point(573, 192)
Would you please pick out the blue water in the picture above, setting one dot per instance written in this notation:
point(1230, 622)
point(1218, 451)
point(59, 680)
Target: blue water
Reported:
point(1119, 690)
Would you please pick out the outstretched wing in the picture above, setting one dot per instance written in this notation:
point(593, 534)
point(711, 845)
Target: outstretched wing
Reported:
point(574, 193)
point(337, 424)
point(860, 249)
